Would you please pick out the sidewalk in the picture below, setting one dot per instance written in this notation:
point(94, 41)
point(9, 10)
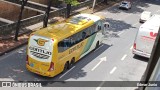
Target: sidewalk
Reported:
point(8, 44)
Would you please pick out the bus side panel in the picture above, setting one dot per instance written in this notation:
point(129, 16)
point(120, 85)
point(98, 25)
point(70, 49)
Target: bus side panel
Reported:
point(63, 57)
point(69, 54)
point(79, 50)
point(91, 43)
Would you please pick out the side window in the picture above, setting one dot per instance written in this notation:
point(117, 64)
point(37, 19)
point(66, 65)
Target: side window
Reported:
point(93, 28)
point(60, 46)
point(99, 24)
point(84, 35)
point(64, 45)
point(89, 31)
point(73, 40)
point(78, 37)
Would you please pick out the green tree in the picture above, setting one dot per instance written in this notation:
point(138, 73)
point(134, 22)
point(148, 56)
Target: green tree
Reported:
point(69, 3)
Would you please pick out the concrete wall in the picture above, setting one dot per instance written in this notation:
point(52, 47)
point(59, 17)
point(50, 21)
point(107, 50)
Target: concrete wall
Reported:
point(11, 12)
point(8, 11)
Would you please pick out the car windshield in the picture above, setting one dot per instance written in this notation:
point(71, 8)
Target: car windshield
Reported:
point(124, 3)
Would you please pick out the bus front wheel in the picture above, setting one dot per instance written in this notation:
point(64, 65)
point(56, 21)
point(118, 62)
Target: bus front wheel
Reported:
point(97, 45)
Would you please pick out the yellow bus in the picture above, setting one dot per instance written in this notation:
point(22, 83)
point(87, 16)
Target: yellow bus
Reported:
point(56, 48)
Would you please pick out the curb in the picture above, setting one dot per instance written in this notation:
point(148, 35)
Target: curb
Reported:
point(16, 47)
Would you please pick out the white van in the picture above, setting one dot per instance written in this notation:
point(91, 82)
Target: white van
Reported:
point(145, 37)
point(145, 16)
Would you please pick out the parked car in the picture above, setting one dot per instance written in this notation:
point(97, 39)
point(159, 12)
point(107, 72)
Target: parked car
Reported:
point(125, 5)
point(145, 16)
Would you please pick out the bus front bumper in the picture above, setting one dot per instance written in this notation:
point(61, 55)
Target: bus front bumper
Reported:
point(140, 53)
point(48, 74)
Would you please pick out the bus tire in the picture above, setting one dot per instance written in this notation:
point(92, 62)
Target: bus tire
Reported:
point(97, 45)
point(66, 67)
point(72, 63)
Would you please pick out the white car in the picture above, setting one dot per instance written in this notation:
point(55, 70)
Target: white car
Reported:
point(125, 5)
point(145, 16)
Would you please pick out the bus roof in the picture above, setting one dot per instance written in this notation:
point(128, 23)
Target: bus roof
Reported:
point(68, 27)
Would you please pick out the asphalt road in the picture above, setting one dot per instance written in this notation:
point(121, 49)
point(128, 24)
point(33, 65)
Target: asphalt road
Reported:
point(112, 61)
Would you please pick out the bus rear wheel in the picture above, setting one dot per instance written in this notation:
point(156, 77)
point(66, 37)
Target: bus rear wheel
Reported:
point(72, 63)
point(66, 67)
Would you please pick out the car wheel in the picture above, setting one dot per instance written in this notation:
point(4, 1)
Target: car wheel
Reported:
point(97, 45)
point(140, 21)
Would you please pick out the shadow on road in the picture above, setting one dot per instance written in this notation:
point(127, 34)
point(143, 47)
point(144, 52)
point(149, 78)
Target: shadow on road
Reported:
point(116, 26)
point(144, 59)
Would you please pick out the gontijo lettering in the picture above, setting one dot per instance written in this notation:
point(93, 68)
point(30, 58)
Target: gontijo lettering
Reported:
point(39, 50)
point(75, 48)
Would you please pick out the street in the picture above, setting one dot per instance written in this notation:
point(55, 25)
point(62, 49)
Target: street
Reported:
point(112, 61)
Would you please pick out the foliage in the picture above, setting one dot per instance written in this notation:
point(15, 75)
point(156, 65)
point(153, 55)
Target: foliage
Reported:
point(72, 2)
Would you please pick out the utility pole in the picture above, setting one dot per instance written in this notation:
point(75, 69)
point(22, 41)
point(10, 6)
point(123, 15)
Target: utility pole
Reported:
point(19, 19)
point(94, 3)
point(68, 10)
point(45, 20)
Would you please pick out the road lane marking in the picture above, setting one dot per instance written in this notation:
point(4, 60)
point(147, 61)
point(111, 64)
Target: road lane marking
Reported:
point(101, 60)
point(124, 56)
point(121, 32)
point(131, 48)
point(112, 71)
point(96, 65)
point(100, 85)
point(98, 88)
point(66, 72)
